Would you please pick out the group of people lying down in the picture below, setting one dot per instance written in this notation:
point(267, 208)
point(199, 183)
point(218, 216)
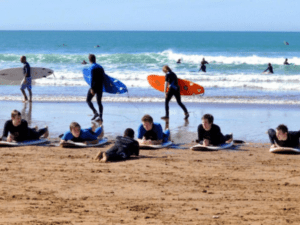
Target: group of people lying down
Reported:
point(149, 133)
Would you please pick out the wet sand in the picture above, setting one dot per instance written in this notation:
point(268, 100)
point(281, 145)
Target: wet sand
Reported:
point(52, 185)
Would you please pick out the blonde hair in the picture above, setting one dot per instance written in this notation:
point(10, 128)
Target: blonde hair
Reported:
point(167, 68)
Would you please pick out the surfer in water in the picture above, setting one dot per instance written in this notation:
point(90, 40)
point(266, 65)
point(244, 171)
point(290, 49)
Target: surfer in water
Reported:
point(84, 62)
point(202, 66)
point(270, 68)
point(178, 61)
point(174, 89)
point(26, 82)
point(210, 133)
point(97, 76)
point(286, 62)
point(284, 138)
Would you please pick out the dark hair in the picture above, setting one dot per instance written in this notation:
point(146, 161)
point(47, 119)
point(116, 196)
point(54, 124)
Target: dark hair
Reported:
point(147, 118)
point(74, 125)
point(283, 128)
point(15, 113)
point(129, 133)
point(92, 58)
point(208, 117)
point(166, 67)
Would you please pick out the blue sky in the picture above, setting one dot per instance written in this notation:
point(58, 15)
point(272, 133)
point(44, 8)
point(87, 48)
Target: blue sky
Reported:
point(158, 15)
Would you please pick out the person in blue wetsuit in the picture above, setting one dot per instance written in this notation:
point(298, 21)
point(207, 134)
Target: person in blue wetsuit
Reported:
point(97, 77)
point(174, 89)
point(284, 138)
point(203, 67)
point(87, 136)
point(26, 82)
point(150, 133)
point(123, 148)
point(270, 68)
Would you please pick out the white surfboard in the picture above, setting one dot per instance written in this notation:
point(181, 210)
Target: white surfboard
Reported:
point(163, 145)
point(284, 150)
point(14, 76)
point(71, 144)
point(23, 143)
point(200, 147)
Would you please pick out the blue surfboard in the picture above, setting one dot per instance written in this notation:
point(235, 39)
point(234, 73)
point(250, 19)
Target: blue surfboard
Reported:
point(110, 84)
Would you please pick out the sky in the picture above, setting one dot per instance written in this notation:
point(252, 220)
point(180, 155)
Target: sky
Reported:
point(151, 15)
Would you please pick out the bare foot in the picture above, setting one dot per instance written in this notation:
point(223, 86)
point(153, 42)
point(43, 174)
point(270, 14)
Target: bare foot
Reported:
point(98, 156)
point(104, 158)
point(46, 134)
point(25, 100)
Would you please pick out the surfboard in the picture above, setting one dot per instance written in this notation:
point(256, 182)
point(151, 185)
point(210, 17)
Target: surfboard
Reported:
point(285, 150)
point(110, 85)
point(200, 147)
point(71, 144)
point(186, 87)
point(14, 76)
point(163, 145)
point(23, 143)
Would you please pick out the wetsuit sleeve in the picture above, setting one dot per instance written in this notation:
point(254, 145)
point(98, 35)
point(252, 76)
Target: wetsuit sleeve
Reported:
point(5, 130)
point(267, 69)
point(67, 136)
point(206, 62)
point(136, 148)
point(159, 132)
point(200, 133)
point(141, 132)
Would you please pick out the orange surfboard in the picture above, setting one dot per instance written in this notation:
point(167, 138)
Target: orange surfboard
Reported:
point(186, 87)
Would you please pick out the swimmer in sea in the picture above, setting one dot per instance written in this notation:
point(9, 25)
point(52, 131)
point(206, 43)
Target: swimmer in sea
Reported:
point(203, 67)
point(286, 62)
point(270, 68)
point(178, 61)
point(84, 62)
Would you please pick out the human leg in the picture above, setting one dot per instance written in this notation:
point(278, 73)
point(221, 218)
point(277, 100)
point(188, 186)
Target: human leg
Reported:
point(178, 99)
point(90, 104)
point(99, 101)
point(272, 136)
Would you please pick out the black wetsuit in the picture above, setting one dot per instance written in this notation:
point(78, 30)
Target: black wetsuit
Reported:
point(21, 132)
point(292, 140)
point(286, 63)
point(97, 75)
point(124, 147)
point(174, 89)
point(214, 135)
point(270, 68)
point(203, 67)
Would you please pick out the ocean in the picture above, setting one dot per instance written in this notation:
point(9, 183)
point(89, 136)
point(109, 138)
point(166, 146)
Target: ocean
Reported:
point(236, 61)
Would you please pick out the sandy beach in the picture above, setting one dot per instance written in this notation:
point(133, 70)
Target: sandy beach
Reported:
point(51, 185)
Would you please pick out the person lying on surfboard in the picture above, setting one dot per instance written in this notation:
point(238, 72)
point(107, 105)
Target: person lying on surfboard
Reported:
point(270, 68)
point(210, 133)
point(123, 148)
point(284, 138)
point(86, 136)
point(174, 89)
point(150, 133)
point(17, 130)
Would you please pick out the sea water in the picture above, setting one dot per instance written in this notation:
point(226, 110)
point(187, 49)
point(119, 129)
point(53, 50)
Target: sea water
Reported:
point(236, 61)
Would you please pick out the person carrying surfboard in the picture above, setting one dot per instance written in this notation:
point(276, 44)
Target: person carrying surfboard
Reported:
point(17, 130)
point(26, 82)
point(150, 133)
point(87, 136)
point(171, 81)
point(284, 138)
point(202, 65)
point(123, 148)
point(270, 68)
point(97, 76)
point(210, 133)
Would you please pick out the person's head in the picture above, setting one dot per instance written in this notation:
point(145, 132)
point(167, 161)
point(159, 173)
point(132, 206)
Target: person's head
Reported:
point(286, 59)
point(23, 59)
point(166, 69)
point(92, 58)
point(207, 121)
point(147, 122)
point(203, 59)
point(129, 133)
point(75, 129)
point(282, 132)
point(16, 117)
point(270, 64)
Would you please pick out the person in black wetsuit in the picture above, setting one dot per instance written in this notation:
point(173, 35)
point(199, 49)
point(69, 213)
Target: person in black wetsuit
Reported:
point(174, 89)
point(284, 138)
point(97, 77)
point(124, 147)
point(210, 133)
point(17, 130)
point(203, 67)
point(270, 68)
point(286, 62)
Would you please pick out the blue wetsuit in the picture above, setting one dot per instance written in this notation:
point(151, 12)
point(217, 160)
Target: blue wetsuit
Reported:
point(156, 133)
point(85, 135)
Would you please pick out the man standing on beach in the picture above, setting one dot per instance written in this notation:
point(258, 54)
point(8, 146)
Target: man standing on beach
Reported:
point(97, 76)
point(26, 82)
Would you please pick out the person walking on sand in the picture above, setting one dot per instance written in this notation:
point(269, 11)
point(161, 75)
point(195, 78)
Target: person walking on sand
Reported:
point(203, 67)
point(26, 82)
point(97, 77)
point(270, 68)
point(171, 81)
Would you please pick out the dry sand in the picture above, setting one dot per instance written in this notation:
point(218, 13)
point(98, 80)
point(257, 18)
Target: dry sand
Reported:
point(51, 185)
